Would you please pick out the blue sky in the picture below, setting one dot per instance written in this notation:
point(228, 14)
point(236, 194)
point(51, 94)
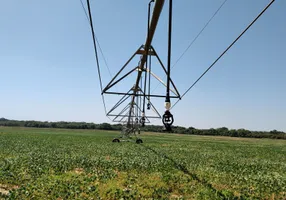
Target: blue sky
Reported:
point(48, 69)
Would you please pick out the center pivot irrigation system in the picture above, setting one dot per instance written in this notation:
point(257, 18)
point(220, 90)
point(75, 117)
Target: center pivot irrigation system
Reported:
point(135, 107)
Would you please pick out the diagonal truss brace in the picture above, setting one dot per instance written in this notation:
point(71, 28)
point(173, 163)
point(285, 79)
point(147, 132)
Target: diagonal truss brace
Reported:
point(141, 51)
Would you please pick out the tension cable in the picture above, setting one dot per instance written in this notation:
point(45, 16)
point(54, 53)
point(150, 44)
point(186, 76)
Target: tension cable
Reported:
point(225, 50)
point(197, 36)
point(96, 53)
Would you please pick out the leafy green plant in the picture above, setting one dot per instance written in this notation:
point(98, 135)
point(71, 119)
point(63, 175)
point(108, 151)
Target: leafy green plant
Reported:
point(85, 164)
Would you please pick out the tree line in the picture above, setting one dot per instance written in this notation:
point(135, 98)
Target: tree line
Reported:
point(150, 128)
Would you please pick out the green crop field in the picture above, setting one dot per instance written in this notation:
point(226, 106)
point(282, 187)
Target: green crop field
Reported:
point(85, 164)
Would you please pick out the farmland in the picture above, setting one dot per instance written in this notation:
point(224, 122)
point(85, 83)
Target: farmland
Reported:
point(85, 164)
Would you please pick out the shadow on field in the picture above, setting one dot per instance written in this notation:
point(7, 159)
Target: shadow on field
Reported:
point(186, 171)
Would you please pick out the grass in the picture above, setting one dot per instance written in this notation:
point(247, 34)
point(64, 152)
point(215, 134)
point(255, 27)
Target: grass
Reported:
point(85, 164)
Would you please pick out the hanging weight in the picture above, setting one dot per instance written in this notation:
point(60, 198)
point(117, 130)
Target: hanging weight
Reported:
point(148, 106)
point(168, 120)
point(142, 121)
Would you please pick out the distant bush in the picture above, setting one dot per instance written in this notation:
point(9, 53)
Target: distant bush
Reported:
point(274, 134)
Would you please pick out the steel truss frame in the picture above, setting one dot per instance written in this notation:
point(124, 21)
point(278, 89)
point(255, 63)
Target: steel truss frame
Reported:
point(133, 114)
